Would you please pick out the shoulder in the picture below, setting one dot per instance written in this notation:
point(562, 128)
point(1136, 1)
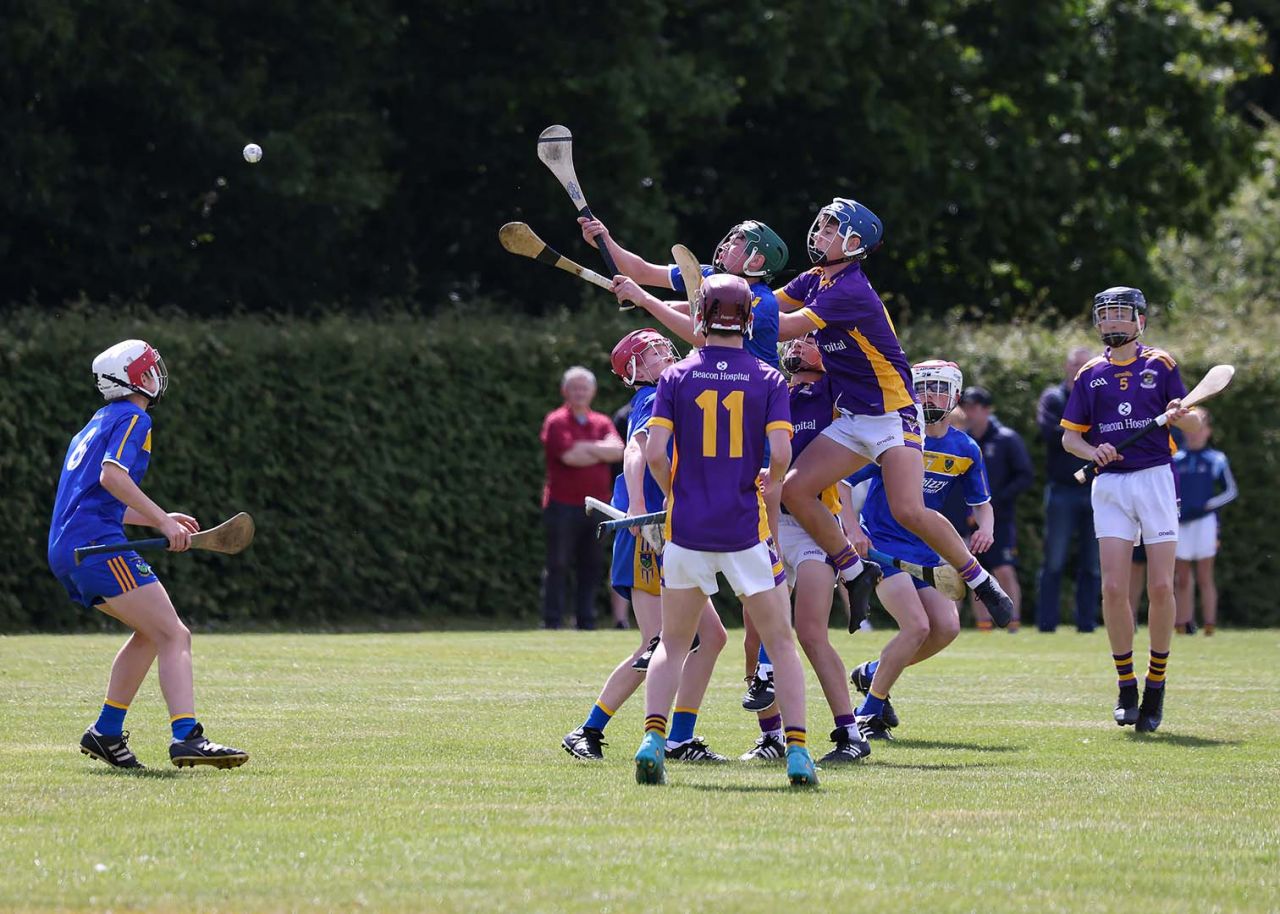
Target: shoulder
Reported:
point(1154, 354)
point(1090, 367)
point(642, 396)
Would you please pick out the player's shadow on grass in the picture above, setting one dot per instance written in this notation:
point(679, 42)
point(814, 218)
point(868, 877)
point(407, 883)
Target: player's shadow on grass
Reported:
point(968, 747)
point(1182, 739)
point(952, 766)
point(136, 773)
point(782, 787)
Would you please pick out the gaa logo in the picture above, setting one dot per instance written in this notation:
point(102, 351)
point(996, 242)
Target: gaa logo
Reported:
point(1125, 408)
point(722, 365)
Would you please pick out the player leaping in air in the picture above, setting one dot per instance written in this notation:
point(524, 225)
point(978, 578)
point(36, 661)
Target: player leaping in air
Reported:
point(638, 359)
point(880, 421)
point(97, 495)
point(718, 405)
point(927, 620)
point(1134, 496)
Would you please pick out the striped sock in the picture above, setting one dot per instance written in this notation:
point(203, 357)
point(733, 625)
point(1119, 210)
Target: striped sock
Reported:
point(845, 720)
point(1156, 666)
point(848, 563)
point(599, 717)
point(973, 573)
point(984, 625)
point(111, 720)
point(873, 704)
point(182, 725)
point(1124, 670)
point(770, 724)
point(796, 737)
point(656, 723)
point(682, 723)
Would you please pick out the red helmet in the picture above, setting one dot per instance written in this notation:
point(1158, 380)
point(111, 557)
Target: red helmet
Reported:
point(627, 357)
point(723, 304)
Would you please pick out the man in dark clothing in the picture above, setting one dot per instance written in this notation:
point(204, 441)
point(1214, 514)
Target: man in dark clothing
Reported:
point(1068, 513)
point(1009, 473)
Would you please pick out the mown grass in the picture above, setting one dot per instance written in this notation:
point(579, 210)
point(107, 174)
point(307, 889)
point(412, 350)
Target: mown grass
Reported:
point(423, 772)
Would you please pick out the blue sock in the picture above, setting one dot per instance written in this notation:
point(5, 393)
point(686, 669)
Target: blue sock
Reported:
point(682, 722)
point(182, 725)
point(762, 657)
point(873, 704)
point(871, 667)
point(111, 720)
point(599, 717)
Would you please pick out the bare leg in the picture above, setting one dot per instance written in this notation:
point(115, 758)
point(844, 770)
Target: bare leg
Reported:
point(621, 610)
point(944, 623)
point(903, 472)
point(149, 611)
point(681, 613)
point(1183, 592)
point(750, 644)
point(1116, 556)
point(899, 597)
point(623, 681)
point(815, 582)
point(821, 464)
point(1161, 606)
point(696, 674)
point(1007, 575)
point(771, 612)
point(129, 669)
point(1137, 583)
point(1208, 593)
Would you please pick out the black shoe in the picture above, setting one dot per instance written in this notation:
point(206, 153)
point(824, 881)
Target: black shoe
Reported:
point(875, 726)
point(996, 601)
point(759, 694)
point(197, 750)
point(850, 747)
point(642, 662)
point(1189, 628)
point(584, 743)
point(1152, 710)
point(862, 682)
point(767, 749)
point(114, 750)
point(1127, 706)
point(860, 588)
point(695, 750)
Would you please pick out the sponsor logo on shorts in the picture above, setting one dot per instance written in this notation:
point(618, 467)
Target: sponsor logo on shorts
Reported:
point(1098, 382)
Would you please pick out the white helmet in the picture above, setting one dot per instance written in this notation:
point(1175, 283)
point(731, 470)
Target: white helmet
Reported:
point(937, 376)
point(126, 368)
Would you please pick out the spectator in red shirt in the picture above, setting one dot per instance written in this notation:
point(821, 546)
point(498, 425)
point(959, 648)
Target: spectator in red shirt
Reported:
point(579, 444)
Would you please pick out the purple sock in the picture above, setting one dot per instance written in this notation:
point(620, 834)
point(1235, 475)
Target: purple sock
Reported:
point(771, 724)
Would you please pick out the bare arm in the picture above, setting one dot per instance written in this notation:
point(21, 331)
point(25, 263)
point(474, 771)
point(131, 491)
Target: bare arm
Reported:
point(779, 455)
point(985, 517)
point(116, 480)
point(631, 265)
point(1073, 443)
point(633, 472)
point(793, 326)
point(655, 454)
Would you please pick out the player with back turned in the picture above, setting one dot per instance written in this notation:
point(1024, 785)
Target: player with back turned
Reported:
point(719, 405)
point(1134, 497)
point(98, 494)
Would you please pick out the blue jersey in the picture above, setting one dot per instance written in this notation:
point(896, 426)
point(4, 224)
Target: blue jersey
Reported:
point(763, 342)
point(637, 422)
point(1205, 482)
point(953, 455)
point(84, 512)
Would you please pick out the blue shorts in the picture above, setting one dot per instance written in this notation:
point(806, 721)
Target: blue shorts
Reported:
point(905, 550)
point(102, 577)
point(635, 564)
point(1004, 549)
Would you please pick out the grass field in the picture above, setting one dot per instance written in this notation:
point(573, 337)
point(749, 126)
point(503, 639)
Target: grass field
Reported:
point(424, 772)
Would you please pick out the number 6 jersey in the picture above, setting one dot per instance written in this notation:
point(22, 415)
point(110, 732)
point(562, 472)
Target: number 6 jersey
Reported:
point(83, 511)
point(720, 404)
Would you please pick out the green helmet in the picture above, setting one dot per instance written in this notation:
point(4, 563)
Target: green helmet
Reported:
point(760, 240)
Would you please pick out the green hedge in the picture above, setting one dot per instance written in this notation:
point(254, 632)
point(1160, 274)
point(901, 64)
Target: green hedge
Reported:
point(393, 464)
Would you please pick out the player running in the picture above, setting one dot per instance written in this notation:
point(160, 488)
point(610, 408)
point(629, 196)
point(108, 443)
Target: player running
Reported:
point(1134, 495)
point(98, 494)
point(811, 577)
point(718, 405)
point(879, 418)
point(638, 359)
point(927, 620)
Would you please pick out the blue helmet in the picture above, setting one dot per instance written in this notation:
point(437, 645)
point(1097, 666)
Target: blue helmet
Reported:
point(852, 219)
point(1120, 303)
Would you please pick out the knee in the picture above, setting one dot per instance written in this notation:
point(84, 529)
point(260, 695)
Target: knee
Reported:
point(1181, 576)
point(910, 513)
point(811, 638)
point(1113, 591)
point(946, 630)
point(915, 629)
point(714, 639)
point(795, 493)
point(1159, 589)
point(175, 635)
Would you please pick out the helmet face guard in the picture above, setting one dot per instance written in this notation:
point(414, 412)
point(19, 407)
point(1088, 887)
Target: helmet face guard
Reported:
point(802, 354)
point(723, 305)
point(934, 380)
point(633, 352)
point(859, 230)
point(757, 238)
point(1120, 305)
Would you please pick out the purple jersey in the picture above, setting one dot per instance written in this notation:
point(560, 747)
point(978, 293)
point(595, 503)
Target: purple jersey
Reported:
point(812, 409)
point(860, 348)
point(719, 403)
point(1112, 400)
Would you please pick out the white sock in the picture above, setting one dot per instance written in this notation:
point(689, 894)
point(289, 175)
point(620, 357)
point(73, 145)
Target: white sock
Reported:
point(764, 670)
point(852, 571)
point(982, 576)
point(779, 735)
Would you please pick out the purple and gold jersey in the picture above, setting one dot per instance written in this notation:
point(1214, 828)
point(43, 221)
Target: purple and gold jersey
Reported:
point(1112, 400)
point(812, 409)
point(720, 403)
point(950, 457)
point(83, 511)
point(860, 348)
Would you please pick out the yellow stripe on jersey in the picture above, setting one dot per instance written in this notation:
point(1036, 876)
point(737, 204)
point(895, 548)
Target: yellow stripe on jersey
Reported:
point(1096, 360)
point(664, 423)
point(895, 393)
point(817, 321)
point(1075, 426)
point(671, 495)
point(146, 445)
point(946, 464)
point(831, 498)
point(780, 425)
point(762, 527)
point(783, 297)
point(127, 432)
point(911, 436)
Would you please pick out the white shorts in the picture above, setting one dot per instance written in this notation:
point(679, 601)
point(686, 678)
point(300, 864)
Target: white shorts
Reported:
point(797, 547)
point(1141, 506)
point(748, 572)
point(1198, 539)
point(871, 436)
